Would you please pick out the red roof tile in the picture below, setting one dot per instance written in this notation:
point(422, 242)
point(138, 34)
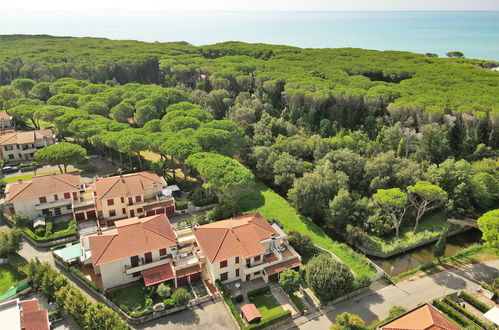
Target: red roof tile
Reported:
point(250, 312)
point(43, 185)
point(132, 237)
point(277, 268)
point(188, 271)
point(29, 305)
point(127, 185)
point(157, 274)
point(25, 137)
point(424, 317)
point(239, 236)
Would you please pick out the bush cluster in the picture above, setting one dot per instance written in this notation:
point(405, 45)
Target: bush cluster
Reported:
point(490, 288)
point(452, 313)
point(467, 313)
point(258, 292)
point(484, 308)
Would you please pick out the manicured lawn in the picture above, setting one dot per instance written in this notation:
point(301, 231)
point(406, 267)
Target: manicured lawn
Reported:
point(260, 198)
point(430, 227)
point(131, 296)
point(9, 276)
point(267, 306)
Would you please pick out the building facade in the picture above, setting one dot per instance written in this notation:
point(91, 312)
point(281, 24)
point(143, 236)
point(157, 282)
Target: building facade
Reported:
point(21, 146)
point(6, 121)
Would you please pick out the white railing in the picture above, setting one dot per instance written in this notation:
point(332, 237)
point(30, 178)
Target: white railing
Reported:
point(139, 268)
point(54, 203)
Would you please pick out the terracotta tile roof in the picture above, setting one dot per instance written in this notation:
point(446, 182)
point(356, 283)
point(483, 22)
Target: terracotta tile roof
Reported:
point(29, 305)
point(36, 320)
point(158, 274)
point(188, 271)
point(25, 137)
point(132, 237)
point(127, 185)
point(43, 185)
point(277, 268)
point(161, 204)
point(239, 236)
point(424, 317)
point(250, 312)
point(5, 116)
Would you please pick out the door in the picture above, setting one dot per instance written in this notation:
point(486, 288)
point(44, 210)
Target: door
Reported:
point(148, 257)
point(130, 201)
point(149, 213)
point(80, 216)
point(195, 277)
point(132, 213)
point(91, 215)
point(160, 211)
point(170, 210)
point(134, 260)
point(181, 281)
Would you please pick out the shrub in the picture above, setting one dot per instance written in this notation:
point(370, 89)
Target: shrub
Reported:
point(198, 197)
point(452, 313)
point(328, 278)
point(348, 321)
point(40, 231)
point(466, 313)
point(10, 241)
point(297, 302)
point(238, 299)
point(490, 288)
point(258, 292)
point(361, 282)
point(78, 273)
point(169, 303)
point(395, 311)
point(181, 297)
point(181, 205)
point(225, 295)
point(269, 321)
point(148, 303)
point(302, 243)
point(289, 280)
point(482, 307)
point(164, 291)
point(227, 209)
point(21, 220)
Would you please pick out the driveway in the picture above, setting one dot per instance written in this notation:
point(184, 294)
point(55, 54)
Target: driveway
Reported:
point(375, 305)
point(205, 316)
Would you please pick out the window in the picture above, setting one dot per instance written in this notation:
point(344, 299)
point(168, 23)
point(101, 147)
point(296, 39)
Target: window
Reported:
point(257, 258)
point(67, 195)
point(8, 148)
point(140, 210)
point(138, 198)
point(75, 196)
point(224, 276)
point(42, 199)
point(237, 260)
point(122, 199)
point(112, 213)
point(110, 202)
point(56, 198)
point(130, 200)
point(123, 210)
point(162, 252)
point(223, 264)
point(32, 154)
point(257, 273)
point(68, 207)
point(11, 156)
point(237, 272)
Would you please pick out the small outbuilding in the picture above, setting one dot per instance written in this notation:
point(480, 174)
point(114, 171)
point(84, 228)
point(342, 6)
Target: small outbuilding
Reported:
point(250, 313)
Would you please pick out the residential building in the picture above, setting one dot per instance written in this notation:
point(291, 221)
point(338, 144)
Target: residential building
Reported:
point(130, 195)
point(420, 318)
point(25, 315)
point(21, 146)
point(45, 195)
point(6, 121)
point(146, 247)
point(149, 249)
point(244, 248)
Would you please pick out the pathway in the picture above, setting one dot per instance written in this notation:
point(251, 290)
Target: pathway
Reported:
point(375, 305)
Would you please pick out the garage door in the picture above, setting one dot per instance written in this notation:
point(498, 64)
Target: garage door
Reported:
point(80, 216)
point(195, 277)
point(91, 215)
point(181, 281)
point(273, 277)
point(170, 210)
point(160, 211)
point(149, 213)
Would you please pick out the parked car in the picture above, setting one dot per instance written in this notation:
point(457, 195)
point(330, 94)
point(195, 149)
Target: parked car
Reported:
point(10, 169)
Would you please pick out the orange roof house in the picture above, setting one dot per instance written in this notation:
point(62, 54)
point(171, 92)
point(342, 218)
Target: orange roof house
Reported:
point(251, 313)
point(132, 237)
point(25, 137)
point(126, 185)
point(424, 317)
point(239, 236)
point(42, 185)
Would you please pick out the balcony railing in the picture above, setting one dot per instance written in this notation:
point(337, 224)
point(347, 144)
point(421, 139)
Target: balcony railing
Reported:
point(52, 204)
point(139, 268)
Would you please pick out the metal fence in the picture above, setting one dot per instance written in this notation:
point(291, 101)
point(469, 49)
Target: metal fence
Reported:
point(12, 291)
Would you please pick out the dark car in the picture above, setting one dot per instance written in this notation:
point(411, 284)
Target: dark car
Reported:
point(10, 169)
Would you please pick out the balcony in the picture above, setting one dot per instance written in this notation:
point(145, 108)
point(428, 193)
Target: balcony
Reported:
point(270, 259)
point(52, 204)
point(185, 260)
point(130, 270)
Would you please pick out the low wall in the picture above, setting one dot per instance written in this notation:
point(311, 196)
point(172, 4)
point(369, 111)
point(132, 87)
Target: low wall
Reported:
point(348, 296)
point(385, 255)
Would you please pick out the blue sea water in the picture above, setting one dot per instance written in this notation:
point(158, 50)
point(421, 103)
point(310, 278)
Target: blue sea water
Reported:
point(474, 33)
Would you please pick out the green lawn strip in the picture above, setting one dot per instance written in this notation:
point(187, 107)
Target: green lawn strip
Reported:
point(267, 305)
point(260, 198)
point(9, 276)
point(27, 177)
point(132, 297)
point(470, 254)
point(430, 227)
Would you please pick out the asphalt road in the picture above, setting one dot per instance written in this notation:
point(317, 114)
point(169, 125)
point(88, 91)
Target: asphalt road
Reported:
point(409, 294)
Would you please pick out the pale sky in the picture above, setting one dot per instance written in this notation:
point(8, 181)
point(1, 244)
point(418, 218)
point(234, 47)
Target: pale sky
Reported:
point(152, 5)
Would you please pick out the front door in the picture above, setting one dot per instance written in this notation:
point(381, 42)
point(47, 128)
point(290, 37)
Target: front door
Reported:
point(181, 281)
point(132, 213)
point(148, 257)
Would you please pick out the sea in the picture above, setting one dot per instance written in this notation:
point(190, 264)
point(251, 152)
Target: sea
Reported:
point(474, 33)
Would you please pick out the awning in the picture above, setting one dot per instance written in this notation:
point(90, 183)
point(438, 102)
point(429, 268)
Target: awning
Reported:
point(157, 274)
point(189, 271)
point(158, 205)
point(493, 315)
point(71, 252)
point(277, 268)
point(250, 313)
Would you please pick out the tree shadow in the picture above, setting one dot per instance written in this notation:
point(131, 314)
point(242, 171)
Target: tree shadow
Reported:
point(187, 317)
point(360, 306)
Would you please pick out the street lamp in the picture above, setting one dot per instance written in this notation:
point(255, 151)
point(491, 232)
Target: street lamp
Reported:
point(446, 282)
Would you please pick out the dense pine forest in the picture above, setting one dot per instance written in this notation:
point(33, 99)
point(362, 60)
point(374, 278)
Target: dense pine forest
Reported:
point(355, 139)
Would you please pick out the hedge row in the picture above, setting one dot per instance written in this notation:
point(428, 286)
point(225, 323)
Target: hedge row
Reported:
point(57, 235)
point(490, 288)
point(452, 313)
point(269, 321)
point(258, 292)
point(467, 313)
point(225, 295)
point(482, 307)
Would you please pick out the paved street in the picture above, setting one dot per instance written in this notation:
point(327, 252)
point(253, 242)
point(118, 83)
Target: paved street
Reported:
point(206, 316)
point(409, 294)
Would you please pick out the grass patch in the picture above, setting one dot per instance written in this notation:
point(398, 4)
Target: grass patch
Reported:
point(472, 254)
point(297, 302)
point(430, 227)
point(9, 272)
point(260, 198)
point(133, 297)
point(267, 305)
